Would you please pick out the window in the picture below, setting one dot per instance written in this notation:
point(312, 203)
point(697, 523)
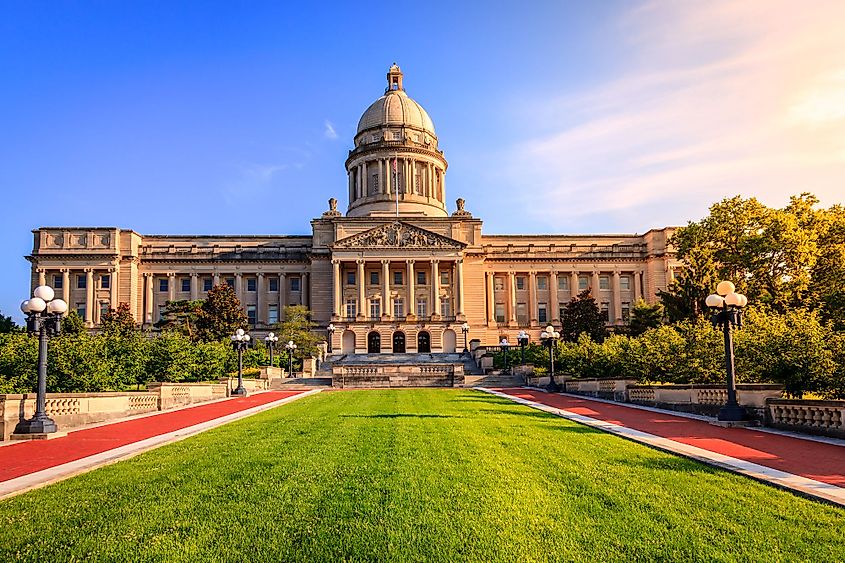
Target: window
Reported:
point(105, 282)
point(373, 187)
point(250, 314)
point(498, 284)
point(520, 282)
point(186, 284)
point(104, 309)
point(563, 282)
point(445, 307)
point(80, 310)
point(500, 312)
point(521, 314)
point(397, 278)
point(373, 278)
point(272, 314)
point(560, 312)
point(542, 282)
point(163, 284)
point(399, 308)
point(160, 312)
point(605, 312)
point(420, 278)
point(444, 278)
point(625, 282)
point(351, 308)
point(295, 284)
point(350, 278)
point(376, 138)
point(230, 282)
point(583, 283)
point(274, 284)
point(375, 308)
point(207, 284)
point(81, 282)
point(541, 313)
point(604, 282)
point(626, 312)
point(251, 284)
point(57, 282)
point(422, 307)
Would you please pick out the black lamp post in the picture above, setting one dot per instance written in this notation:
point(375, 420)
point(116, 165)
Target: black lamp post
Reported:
point(290, 347)
point(43, 317)
point(549, 337)
point(240, 342)
point(465, 330)
point(330, 330)
point(522, 338)
point(505, 346)
point(727, 313)
point(271, 340)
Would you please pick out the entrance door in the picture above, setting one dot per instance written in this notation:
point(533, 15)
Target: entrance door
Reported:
point(423, 342)
point(398, 342)
point(373, 343)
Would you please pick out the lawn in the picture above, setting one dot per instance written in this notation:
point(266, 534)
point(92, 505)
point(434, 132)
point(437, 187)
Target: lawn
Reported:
point(413, 475)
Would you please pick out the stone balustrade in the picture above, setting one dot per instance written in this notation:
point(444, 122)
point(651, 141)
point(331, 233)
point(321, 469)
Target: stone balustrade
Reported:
point(826, 418)
point(704, 399)
point(398, 375)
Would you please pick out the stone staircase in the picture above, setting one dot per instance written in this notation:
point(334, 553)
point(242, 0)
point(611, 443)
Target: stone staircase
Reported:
point(300, 383)
point(494, 380)
point(398, 370)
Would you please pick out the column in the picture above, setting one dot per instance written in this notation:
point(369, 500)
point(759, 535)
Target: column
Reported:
point(491, 299)
point(306, 289)
point(435, 289)
point(260, 300)
point(113, 288)
point(216, 277)
point(66, 288)
point(239, 286)
point(148, 301)
point(283, 294)
point(387, 308)
point(364, 176)
point(195, 290)
point(171, 286)
point(617, 298)
point(335, 288)
point(42, 277)
point(553, 302)
point(412, 306)
point(362, 294)
point(89, 296)
point(595, 286)
point(459, 307)
point(532, 298)
point(573, 284)
point(638, 286)
point(511, 298)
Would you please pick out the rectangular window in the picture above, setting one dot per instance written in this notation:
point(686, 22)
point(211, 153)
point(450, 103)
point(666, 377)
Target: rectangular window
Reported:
point(604, 282)
point(560, 312)
point(542, 282)
point(420, 278)
point(445, 307)
point(624, 282)
point(105, 282)
point(373, 189)
point(273, 314)
point(583, 283)
point(520, 282)
point(500, 312)
point(58, 281)
point(499, 284)
point(207, 284)
point(250, 314)
point(399, 308)
point(274, 284)
point(563, 282)
point(81, 282)
point(186, 284)
point(251, 284)
point(626, 312)
point(373, 278)
point(541, 313)
point(351, 308)
point(375, 308)
point(230, 282)
point(521, 314)
point(605, 312)
point(80, 310)
point(422, 307)
point(444, 278)
point(104, 308)
point(295, 284)
point(163, 284)
point(397, 278)
point(350, 278)
point(160, 312)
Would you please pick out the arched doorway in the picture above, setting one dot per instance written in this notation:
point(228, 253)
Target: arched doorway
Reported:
point(373, 343)
point(398, 342)
point(423, 342)
point(449, 341)
point(347, 342)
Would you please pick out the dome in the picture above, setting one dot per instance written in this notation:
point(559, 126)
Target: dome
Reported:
point(395, 108)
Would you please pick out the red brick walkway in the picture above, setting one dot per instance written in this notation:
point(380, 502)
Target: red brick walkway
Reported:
point(815, 460)
point(25, 458)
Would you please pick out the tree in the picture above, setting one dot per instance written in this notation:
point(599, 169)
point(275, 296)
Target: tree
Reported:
point(181, 316)
point(684, 298)
point(582, 316)
point(298, 327)
point(645, 316)
point(7, 325)
point(220, 315)
point(72, 323)
point(118, 322)
point(828, 289)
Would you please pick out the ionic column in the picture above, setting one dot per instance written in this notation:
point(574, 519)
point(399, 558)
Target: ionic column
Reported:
point(113, 288)
point(459, 308)
point(362, 293)
point(66, 287)
point(595, 290)
point(387, 308)
point(553, 303)
point(171, 286)
point(364, 176)
point(617, 298)
point(261, 297)
point(306, 289)
point(42, 277)
point(89, 296)
point(573, 284)
point(532, 298)
point(491, 299)
point(283, 295)
point(335, 287)
point(195, 288)
point(412, 305)
point(435, 288)
point(511, 298)
point(638, 286)
point(149, 279)
point(239, 286)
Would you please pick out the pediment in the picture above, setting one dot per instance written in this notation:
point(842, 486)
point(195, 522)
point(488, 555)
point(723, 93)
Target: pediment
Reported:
point(399, 235)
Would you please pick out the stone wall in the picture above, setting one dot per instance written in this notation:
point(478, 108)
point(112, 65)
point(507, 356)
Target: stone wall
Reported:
point(826, 418)
point(398, 375)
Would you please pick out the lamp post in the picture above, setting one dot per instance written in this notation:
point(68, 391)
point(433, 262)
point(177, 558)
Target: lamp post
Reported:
point(290, 347)
point(727, 306)
point(505, 345)
point(240, 342)
point(522, 338)
point(271, 340)
point(330, 330)
point(549, 337)
point(43, 317)
point(465, 330)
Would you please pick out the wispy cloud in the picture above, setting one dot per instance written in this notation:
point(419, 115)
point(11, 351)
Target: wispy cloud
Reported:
point(329, 131)
point(720, 98)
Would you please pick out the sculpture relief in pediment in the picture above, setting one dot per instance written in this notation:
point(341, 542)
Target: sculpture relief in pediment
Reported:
point(398, 235)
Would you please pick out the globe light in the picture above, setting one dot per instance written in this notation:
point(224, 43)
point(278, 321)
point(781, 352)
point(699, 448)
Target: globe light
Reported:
point(57, 306)
point(714, 300)
point(239, 332)
point(25, 306)
point(732, 299)
point(725, 287)
point(550, 329)
point(743, 300)
point(246, 338)
point(233, 337)
point(36, 305)
point(544, 335)
point(44, 292)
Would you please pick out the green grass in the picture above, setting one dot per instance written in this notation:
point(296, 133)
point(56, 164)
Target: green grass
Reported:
point(413, 475)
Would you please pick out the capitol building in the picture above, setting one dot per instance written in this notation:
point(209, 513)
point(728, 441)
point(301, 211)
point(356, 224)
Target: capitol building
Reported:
point(397, 272)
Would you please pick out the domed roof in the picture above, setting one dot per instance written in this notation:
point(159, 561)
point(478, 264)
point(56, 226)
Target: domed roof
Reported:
point(395, 107)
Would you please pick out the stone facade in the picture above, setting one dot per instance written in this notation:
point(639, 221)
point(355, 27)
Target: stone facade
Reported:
point(396, 273)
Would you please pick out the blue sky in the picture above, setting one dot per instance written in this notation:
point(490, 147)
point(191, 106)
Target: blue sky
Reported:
point(236, 117)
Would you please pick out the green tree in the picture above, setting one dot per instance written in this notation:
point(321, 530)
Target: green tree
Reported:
point(7, 325)
point(118, 322)
point(582, 316)
point(298, 327)
point(828, 273)
point(645, 316)
point(18, 362)
point(72, 323)
point(220, 315)
point(182, 316)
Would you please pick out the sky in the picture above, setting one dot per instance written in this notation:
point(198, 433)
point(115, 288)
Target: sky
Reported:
point(558, 117)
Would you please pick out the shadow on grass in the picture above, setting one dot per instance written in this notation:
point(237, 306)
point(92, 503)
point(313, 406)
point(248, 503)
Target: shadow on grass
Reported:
point(397, 415)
